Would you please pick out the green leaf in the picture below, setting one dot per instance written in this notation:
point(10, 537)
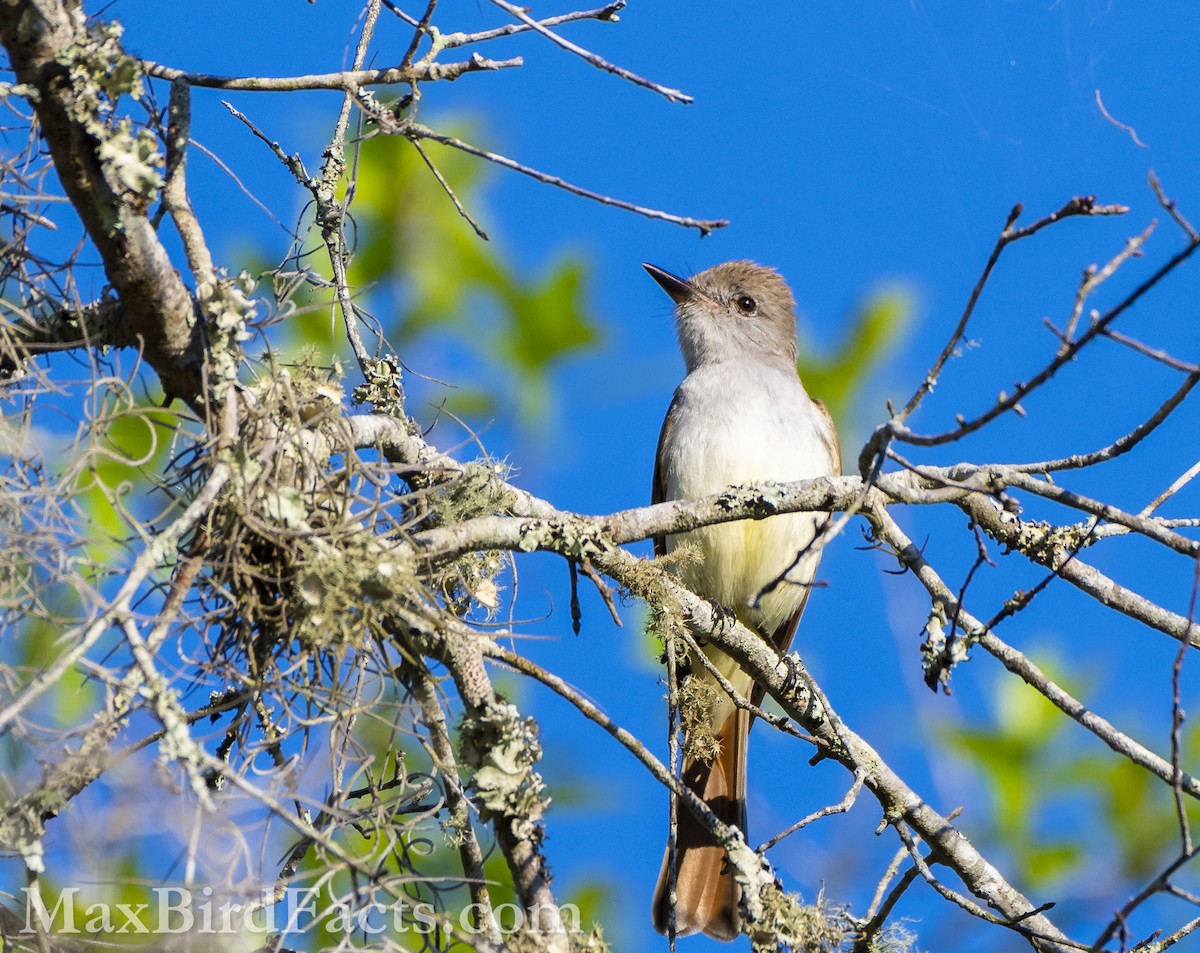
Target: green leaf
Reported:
point(874, 329)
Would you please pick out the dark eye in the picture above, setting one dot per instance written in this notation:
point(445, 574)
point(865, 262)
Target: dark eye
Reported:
point(745, 304)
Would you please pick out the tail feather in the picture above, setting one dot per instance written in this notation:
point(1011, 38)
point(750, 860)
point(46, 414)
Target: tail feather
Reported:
point(707, 896)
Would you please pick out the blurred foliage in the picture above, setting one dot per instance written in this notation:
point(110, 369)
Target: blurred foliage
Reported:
point(874, 330)
point(431, 280)
point(1047, 792)
point(80, 501)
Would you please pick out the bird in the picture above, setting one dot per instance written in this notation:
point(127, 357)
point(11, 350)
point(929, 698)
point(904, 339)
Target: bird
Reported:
point(740, 416)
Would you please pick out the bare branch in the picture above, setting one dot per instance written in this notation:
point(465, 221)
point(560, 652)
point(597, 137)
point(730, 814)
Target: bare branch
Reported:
point(704, 226)
point(672, 95)
point(157, 305)
point(345, 81)
point(448, 41)
point(1120, 125)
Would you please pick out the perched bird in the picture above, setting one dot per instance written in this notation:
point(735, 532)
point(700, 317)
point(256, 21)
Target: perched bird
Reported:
point(740, 416)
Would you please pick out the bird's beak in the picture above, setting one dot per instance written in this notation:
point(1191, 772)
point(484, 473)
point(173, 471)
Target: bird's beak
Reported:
point(679, 290)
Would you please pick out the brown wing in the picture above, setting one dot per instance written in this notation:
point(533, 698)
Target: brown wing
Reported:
point(835, 449)
point(658, 492)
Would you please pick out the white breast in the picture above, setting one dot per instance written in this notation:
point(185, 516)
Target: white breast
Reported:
point(735, 424)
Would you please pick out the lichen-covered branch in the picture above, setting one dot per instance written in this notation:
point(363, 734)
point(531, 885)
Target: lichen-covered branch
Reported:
point(110, 174)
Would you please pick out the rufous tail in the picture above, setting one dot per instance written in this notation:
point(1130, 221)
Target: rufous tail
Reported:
point(706, 896)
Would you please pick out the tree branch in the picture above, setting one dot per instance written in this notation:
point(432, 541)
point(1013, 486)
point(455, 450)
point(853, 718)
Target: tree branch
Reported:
point(52, 52)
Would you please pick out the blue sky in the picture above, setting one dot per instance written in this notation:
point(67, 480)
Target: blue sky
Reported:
point(854, 147)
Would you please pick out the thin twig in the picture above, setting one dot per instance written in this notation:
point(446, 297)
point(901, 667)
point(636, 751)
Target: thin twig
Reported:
point(1176, 485)
point(442, 750)
point(174, 194)
point(1120, 446)
point(1154, 353)
point(672, 95)
point(1094, 277)
point(605, 590)
point(1172, 209)
point(118, 609)
point(1019, 664)
point(447, 41)
point(420, 29)
point(841, 807)
point(704, 226)
point(1081, 205)
point(635, 747)
point(1007, 401)
point(673, 801)
point(441, 179)
point(1120, 125)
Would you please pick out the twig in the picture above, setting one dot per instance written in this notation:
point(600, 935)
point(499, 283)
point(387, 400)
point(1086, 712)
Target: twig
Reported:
point(1178, 484)
point(441, 179)
point(1138, 523)
point(442, 751)
point(1020, 665)
point(1094, 277)
point(417, 131)
point(420, 29)
point(1022, 390)
point(672, 95)
point(331, 212)
point(605, 590)
point(841, 807)
point(1167, 942)
point(780, 722)
point(1014, 923)
point(293, 163)
point(1156, 354)
point(576, 612)
point(1120, 125)
point(881, 908)
point(449, 41)
point(1160, 884)
point(242, 187)
point(1177, 718)
point(1172, 209)
point(673, 800)
point(118, 609)
point(1120, 446)
point(518, 663)
point(1081, 205)
point(174, 195)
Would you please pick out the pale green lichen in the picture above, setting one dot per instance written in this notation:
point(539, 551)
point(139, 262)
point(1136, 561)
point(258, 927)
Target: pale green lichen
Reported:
point(698, 698)
point(478, 491)
point(285, 505)
point(132, 160)
point(228, 307)
point(504, 747)
point(785, 923)
point(1044, 543)
point(18, 89)
point(101, 71)
point(940, 652)
point(345, 594)
point(32, 852)
point(591, 942)
point(383, 388)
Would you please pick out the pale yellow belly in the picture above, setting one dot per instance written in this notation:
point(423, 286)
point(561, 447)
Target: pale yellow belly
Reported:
point(738, 561)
